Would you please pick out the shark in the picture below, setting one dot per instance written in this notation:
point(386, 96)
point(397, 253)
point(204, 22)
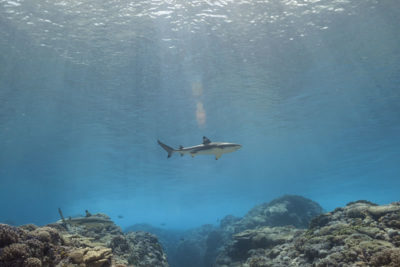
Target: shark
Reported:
point(206, 148)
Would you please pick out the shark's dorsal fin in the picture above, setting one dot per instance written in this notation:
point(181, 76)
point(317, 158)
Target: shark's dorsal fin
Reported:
point(206, 141)
point(180, 147)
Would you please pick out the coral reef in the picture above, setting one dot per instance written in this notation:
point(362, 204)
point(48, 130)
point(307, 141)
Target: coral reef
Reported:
point(200, 247)
point(145, 250)
point(169, 238)
point(360, 234)
point(35, 247)
point(287, 210)
point(91, 241)
point(138, 249)
point(292, 231)
point(272, 234)
point(184, 248)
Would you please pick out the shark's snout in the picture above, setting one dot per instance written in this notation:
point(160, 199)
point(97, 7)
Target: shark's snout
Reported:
point(234, 147)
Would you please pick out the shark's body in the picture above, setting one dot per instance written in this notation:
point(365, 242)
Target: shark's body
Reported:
point(206, 148)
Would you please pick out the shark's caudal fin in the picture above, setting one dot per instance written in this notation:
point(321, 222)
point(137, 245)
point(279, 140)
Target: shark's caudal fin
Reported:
point(170, 150)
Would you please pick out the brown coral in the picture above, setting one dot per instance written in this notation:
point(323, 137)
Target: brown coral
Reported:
point(8, 235)
point(32, 262)
point(14, 254)
point(84, 242)
point(47, 234)
point(387, 257)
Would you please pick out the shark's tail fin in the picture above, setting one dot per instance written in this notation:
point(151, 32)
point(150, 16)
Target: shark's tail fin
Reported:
point(170, 150)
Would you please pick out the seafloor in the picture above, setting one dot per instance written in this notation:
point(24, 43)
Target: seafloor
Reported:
point(288, 231)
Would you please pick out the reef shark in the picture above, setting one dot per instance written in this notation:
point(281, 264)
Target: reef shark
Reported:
point(206, 148)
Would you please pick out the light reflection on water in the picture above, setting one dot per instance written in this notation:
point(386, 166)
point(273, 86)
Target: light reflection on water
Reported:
point(73, 28)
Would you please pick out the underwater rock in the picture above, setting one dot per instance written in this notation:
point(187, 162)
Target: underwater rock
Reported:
point(288, 210)
point(46, 246)
point(360, 234)
point(93, 241)
point(145, 250)
point(201, 246)
point(264, 237)
point(173, 242)
point(291, 210)
point(228, 220)
point(97, 256)
point(183, 247)
point(139, 249)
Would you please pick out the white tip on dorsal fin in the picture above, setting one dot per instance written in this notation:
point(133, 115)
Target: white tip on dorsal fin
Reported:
point(206, 140)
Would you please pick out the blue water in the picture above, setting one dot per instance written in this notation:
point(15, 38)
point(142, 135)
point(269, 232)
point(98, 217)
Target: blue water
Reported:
point(310, 89)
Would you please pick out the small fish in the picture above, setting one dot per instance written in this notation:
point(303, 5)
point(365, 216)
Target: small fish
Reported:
point(120, 217)
point(162, 224)
point(206, 148)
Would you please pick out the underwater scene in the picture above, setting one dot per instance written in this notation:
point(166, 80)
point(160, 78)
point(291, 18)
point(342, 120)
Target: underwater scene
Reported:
point(199, 133)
